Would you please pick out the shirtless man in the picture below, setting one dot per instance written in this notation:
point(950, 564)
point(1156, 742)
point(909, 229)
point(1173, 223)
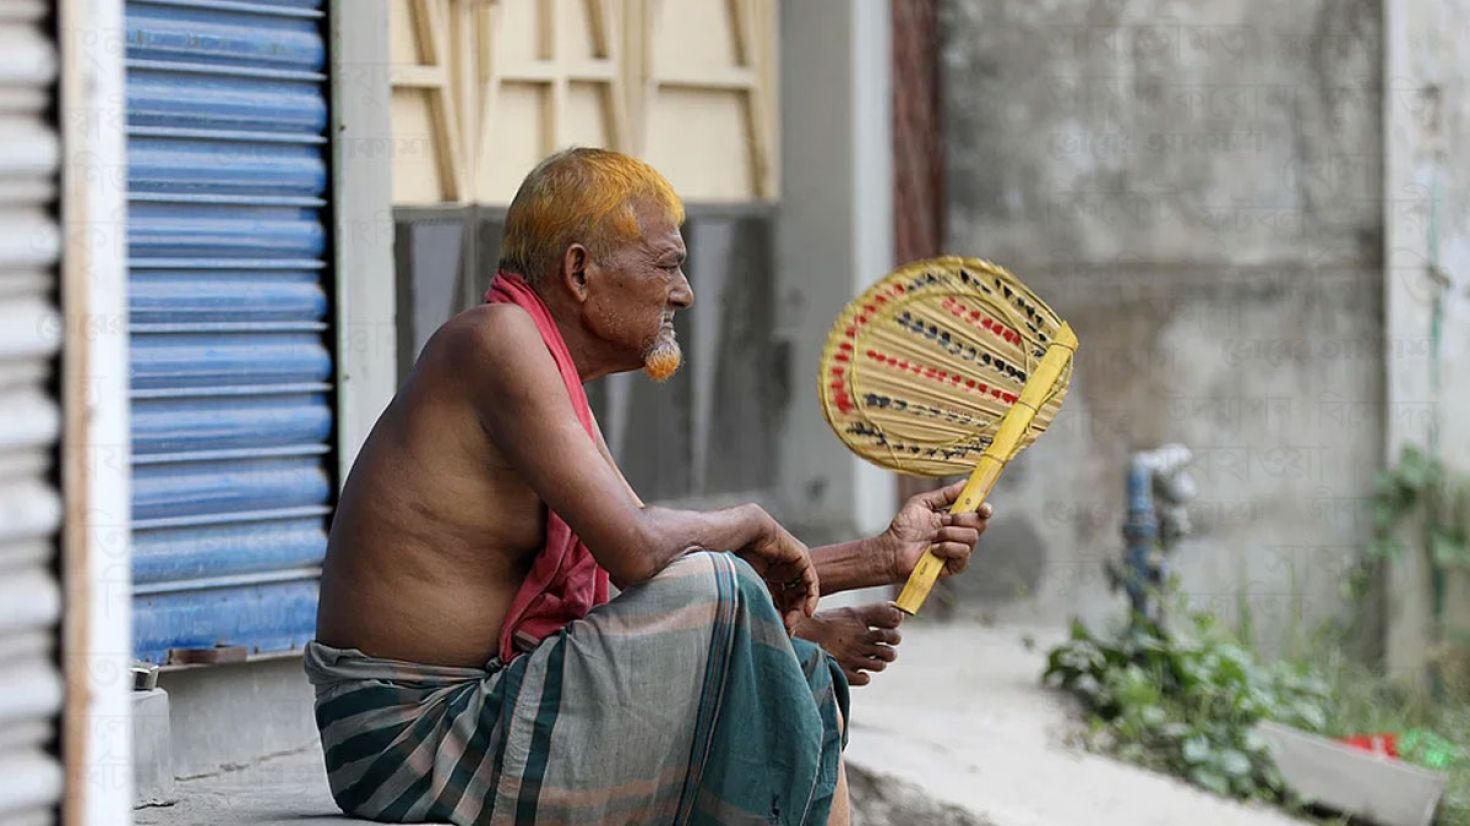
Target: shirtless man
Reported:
point(469, 664)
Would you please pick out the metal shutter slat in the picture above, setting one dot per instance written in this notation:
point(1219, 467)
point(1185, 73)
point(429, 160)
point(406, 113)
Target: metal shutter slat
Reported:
point(230, 361)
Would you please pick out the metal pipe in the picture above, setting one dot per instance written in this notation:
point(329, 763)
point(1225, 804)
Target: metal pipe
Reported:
point(1141, 532)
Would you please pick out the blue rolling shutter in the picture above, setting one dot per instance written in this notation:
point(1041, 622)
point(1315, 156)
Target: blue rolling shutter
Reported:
point(228, 298)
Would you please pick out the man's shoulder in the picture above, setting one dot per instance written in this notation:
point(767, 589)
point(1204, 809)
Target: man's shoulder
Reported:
point(481, 337)
point(491, 350)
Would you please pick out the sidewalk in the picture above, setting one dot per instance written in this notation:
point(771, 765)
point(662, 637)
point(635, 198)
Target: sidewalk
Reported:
point(962, 715)
point(957, 733)
point(289, 789)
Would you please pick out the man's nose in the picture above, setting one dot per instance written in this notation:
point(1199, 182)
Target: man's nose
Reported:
point(683, 294)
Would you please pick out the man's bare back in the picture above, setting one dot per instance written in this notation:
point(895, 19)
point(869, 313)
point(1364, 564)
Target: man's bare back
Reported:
point(445, 507)
point(434, 531)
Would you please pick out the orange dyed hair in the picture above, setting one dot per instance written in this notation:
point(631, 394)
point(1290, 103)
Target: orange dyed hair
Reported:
point(580, 196)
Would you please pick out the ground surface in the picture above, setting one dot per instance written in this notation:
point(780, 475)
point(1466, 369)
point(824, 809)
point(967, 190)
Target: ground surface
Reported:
point(957, 733)
point(962, 716)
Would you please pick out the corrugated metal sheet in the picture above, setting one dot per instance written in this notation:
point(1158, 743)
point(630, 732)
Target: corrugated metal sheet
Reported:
point(228, 302)
point(30, 336)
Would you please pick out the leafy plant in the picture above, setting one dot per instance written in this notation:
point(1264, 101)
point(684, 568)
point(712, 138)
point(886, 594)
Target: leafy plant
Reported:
point(1186, 703)
point(1421, 504)
point(1421, 487)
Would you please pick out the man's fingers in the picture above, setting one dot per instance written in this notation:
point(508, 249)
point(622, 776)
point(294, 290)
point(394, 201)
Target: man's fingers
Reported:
point(951, 491)
point(973, 521)
point(813, 588)
point(956, 556)
point(942, 497)
point(814, 581)
point(794, 584)
point(958, 535)
point(855, 677)
point(791, 599)
point(940, 500)
point(950, 549)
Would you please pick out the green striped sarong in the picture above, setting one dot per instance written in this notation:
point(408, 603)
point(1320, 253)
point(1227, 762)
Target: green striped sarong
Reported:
point(680, 701)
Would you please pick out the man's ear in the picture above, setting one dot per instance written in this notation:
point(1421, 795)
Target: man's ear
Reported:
point(574, 264)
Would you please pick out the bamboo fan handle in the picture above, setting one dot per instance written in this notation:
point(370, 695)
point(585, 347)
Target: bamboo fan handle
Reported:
point(987, 469)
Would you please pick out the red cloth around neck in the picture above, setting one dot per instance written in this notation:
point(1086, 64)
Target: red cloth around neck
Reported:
point(565, 582)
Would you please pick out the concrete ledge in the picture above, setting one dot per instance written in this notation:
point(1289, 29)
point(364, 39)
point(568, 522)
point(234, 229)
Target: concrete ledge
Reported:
point(227, 716)
point(1378, 789)
point(153, 765)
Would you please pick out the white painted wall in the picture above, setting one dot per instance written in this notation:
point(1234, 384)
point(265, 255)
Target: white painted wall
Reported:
point(362, 148)
point(97, 735)
point(834, 238)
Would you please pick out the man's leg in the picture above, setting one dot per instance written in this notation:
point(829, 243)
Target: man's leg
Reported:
point(716, 721)
point(841, 803)
point(679, 701)
point(830, 691)
point(841, 814)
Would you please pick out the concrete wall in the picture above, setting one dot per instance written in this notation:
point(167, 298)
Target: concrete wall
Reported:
point(834, 238)
point(1427, 217)
point(1195, 186)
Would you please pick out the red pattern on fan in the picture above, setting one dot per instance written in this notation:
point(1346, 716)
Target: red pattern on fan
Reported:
point(919, 369)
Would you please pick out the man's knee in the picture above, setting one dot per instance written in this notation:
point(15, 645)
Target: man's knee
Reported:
point(717, 578)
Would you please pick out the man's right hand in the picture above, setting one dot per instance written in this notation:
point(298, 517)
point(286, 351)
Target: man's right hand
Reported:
point(784, 563)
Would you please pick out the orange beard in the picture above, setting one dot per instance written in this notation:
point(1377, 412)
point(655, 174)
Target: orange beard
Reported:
point(663, 360)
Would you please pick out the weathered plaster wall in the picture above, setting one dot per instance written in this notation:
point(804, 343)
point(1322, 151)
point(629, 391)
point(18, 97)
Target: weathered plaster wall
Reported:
point(833, 238)
point(1427, 218)
point(1195, 186)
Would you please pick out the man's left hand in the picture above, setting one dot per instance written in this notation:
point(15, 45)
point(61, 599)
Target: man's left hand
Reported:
point(923, 522)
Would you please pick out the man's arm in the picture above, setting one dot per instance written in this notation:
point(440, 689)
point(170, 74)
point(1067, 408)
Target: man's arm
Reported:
point(519, 398)
point(607, 454)
point(847, 566)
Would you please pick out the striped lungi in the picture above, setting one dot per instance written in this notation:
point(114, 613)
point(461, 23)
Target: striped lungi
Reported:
point(680, 701)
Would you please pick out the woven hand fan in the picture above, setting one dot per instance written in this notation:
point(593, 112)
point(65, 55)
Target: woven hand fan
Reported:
point(948, 366)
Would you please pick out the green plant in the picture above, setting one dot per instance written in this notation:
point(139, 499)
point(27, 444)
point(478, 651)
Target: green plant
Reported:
point(1421, 487)
point(1420, 504)
point(1186, 703)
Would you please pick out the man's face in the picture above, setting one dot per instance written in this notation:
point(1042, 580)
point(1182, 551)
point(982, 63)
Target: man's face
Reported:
point(635, 293)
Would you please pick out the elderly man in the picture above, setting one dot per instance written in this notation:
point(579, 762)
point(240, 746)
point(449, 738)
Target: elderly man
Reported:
point(469, 664)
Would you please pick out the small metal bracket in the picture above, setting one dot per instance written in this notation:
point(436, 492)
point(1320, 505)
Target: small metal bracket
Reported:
point(145, 676)
point(208, 656)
